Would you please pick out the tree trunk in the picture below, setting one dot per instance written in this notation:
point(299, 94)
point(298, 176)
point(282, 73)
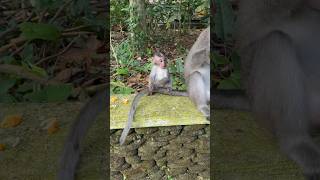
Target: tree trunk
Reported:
point(140, 11)
point(138, 27)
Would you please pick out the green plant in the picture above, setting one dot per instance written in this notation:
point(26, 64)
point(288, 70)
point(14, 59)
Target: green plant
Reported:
point(118, 87)
point(124, 57)
point(170, 12)
point(137, 42)
point(233, 79)
point(46, 30)
point(118, 12)
point(51, 93)
point(126, 63)
point(176, 69)
point(138, 34)
point(224, 19)
point(170, 177)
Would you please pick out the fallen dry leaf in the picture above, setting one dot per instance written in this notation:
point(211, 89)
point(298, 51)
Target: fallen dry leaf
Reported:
point(113, 99)
point(53, 127)
point(125, 101)
point(2, 147)
point(11, 121)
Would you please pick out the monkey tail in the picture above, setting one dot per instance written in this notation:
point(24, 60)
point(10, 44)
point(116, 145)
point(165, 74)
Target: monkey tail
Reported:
point(84, 120)
point(171, 93)
point(179, 93)
point(231, 99)
point(130, 116)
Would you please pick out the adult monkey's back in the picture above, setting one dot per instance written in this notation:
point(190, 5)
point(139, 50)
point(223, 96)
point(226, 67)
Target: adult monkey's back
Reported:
point(197, 73)
point(83, 122)
point(279, 48)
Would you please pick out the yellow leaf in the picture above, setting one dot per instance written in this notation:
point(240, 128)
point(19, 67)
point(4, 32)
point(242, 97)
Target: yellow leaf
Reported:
point(125, 101)
point(113, 99)
point(11, 121)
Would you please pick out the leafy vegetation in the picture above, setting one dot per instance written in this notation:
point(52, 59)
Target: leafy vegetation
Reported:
point(51, 50)
point(226, 62)
point(168, 26)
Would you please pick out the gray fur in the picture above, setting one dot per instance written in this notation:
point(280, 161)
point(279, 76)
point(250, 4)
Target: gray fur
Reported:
point(197, 73)
point(279, 46)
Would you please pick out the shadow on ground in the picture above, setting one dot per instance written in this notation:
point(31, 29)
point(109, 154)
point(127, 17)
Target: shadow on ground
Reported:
point(36, 154)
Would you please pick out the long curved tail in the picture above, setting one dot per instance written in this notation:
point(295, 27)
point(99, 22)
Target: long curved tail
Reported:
point(231, 99)
point(171, 93)
point(134, 104)
point(130, 116)
point(84, 120)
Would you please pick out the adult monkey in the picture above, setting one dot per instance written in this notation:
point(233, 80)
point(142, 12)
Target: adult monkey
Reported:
point(280, 65)
point(197, 73)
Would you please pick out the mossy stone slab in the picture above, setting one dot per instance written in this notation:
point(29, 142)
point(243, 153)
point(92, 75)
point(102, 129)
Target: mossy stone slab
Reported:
point(154, 111)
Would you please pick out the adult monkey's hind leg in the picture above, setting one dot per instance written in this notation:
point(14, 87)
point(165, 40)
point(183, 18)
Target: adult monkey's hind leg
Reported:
point(197, 93)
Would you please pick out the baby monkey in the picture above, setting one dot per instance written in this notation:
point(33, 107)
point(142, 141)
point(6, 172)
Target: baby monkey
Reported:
point(159, 80)
point(159, 76)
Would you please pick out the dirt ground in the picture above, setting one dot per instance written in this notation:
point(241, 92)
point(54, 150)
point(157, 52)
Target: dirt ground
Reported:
point(31, 153)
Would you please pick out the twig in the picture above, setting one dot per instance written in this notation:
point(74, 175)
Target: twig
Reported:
point(7, 31)
point(42, 14)
point(19, 49)
point(58, 54)
point(75, 28)
point(13, 42)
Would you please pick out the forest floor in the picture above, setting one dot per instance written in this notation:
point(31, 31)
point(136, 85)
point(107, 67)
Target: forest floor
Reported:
point(172, 45)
